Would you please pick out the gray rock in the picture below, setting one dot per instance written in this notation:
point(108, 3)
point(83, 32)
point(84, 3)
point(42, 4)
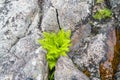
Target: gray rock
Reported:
point(76, 39)
point(90, 55)
point(7, 39)
point(114, 3)
point(7, 77)
point(74, 11)
point(19, 32)
point(15, 19)
point(37, 67)
point(68, 15)
point(49, 22)
point(65, 70)
point(95, 46)
point(116, 12)
point(17, 16)
point(24, 47)
point(22, 23)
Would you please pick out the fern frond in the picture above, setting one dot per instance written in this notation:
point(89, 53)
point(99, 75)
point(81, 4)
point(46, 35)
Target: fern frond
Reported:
point(56, 45)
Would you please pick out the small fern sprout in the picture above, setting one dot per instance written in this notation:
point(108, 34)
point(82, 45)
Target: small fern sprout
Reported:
point(56, 45)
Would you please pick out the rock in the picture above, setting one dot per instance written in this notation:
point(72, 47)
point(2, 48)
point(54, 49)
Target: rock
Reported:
point(23, 21)
point(7, 39)
point(76, 39)
point(65, 70)
point(24, 47)
point(17, 16)
point(116, 13)
point(73, 12)
point(115, 3)
point(95, 46)
point(15, 19)
point(49, 22)
point(97, 50)
point(7, 77)
point(19, 32)
point(37, 67)
point(91, 54)
point(116, 9)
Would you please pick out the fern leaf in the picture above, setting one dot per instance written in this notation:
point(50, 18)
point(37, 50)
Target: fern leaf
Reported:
point(56, 45)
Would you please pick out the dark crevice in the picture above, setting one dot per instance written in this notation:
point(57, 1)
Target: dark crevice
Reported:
point(39, 24)
point(6, 23)
point(57, 15)
point(27, 31)
point(107, 2)
point(13, 46)
point(40, 3)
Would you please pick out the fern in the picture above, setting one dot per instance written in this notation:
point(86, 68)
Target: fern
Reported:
point(56, 45)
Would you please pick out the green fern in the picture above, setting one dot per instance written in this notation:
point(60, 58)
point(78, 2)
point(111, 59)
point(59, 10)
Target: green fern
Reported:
point(56, 45)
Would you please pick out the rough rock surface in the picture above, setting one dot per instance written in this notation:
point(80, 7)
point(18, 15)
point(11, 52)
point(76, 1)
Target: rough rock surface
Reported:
point(92, 52)
point(49, 22)
point(65, 70)
point(73, 10)
point(19, 31)
point(115, 3)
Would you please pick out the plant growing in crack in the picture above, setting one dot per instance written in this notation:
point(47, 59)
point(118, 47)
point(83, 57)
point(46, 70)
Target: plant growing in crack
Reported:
point(102, 14)
point(56, 45)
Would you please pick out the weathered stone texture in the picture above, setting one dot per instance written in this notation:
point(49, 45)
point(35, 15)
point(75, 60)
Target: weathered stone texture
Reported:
point(65, 70)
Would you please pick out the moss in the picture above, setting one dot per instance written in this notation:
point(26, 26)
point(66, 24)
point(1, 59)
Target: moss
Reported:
point(102, 14)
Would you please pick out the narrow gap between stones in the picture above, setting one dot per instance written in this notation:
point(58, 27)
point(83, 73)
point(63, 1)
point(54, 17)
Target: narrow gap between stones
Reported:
point(57, 15)
point(107, 2)
point(40, 3)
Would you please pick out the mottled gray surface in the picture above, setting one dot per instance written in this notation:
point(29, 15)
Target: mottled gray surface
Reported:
point(37, 67)
point(68, 12)
point(73, 10)
point(115, 3)
point(65, 70)
point(19, 32)
point(49, 22)
point(22, 23)
point(90, 55)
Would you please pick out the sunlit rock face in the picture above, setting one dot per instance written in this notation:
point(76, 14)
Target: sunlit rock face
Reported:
point(65, 69)
point(19, 22)
point(91, 54)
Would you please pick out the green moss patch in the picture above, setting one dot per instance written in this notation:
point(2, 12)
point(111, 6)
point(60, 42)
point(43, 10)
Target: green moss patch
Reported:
point(102, 14)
